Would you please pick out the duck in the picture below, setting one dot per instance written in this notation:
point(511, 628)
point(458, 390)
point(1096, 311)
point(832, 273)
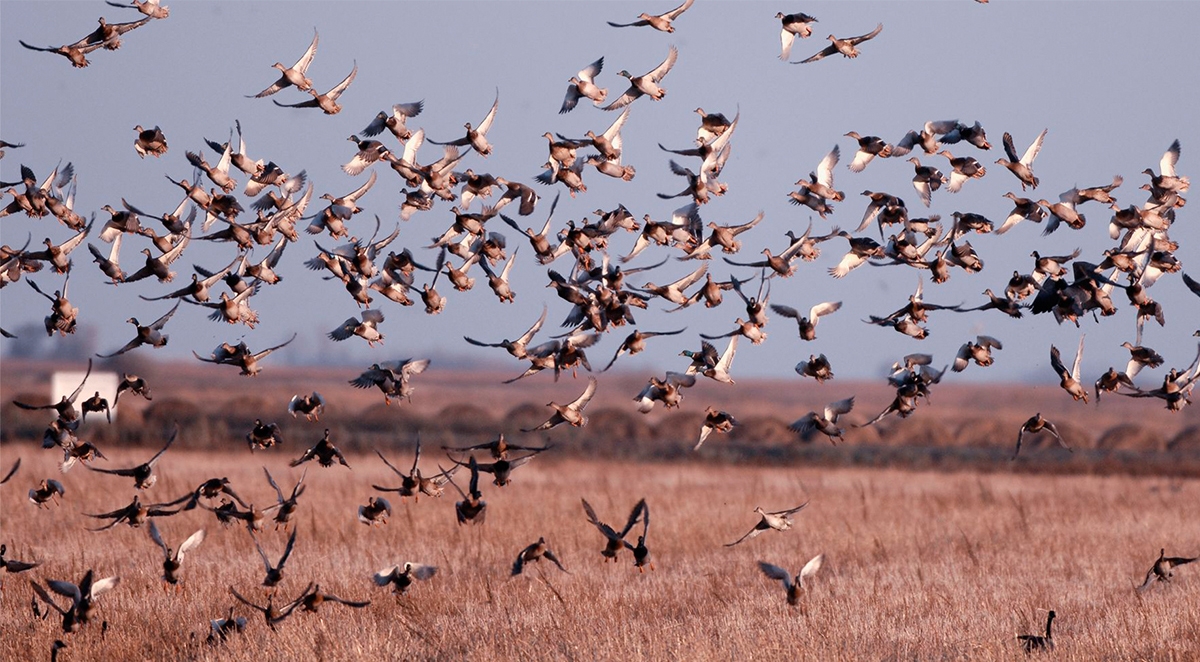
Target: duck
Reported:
point(1023, 209)
point(660, 22)
point(499, 283)
point(1069, 380)
point(327, 102)
point(711, 126)
point(366, 328)
point(793, 25)
point(517, 348)
point(109, 34)
point(868, 148)
point(150, 142)
point(264, 435)
point(820, 181)
point(173, 559)
point(793, 585)
point(222, 627)
point(392, 378)
point(242, 356)
point(477, 136)
point(373, 513)
point(12, 471)
point(63, 317)
point(12, 565)
point(47, 490)
point(1035, 424)
point(396, 121)
point(369, 151)
point(472, 508)
point(926, 138)
point(647, 84)
point(410, 483)
point(808, 325)
point(159, 267)
point(284, 508)
point(613, 169)
point(272, 614)
point(825, 421)
point(502, 469)
point(143, 474)
point(1022, 167)
point(133, 385)
point(724, 236)
point(313, 597)
point(861, 249)
point(434, 302)
point(768, 521)
point(231, 309)
point(1036, 642)
point(1140, 357)
point(209, 489)
point(641, 553)
point(817, 366)
point(720, 370)
point(310, 406)
point(1063, 211)
point(59, 256)
point(614, 540)
point(1111, 381)
point(780, 264)
point(926, 180)
point(571, 412)
point(135, 514)
point(1164, 568)
point(65, 407)
point(110, 266)
point(324, 452)
point(218, 174)
point(979, 351)
point(973, 134)
point(844, 46)
point(635, 343)
point(401, 577)
point(1019, 287)
point(747, 328)
point(674, 292)
point(1167, 181)
point(75, 53)
point(534, 552)
point(83, 596)
point(965, 167)
point(293, 75)
point(274, 573)
point(667, 391)
point(583, 84)
point(715, 420)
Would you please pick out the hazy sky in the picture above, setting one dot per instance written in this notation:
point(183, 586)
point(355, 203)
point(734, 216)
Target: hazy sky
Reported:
point(1113, 83)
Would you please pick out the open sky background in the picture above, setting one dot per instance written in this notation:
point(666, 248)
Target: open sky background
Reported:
point(1113, 81)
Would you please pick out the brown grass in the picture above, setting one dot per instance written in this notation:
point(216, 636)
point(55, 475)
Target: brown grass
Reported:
point(919, 565)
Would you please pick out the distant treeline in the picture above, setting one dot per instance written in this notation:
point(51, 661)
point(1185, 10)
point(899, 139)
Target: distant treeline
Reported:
point(920, 442)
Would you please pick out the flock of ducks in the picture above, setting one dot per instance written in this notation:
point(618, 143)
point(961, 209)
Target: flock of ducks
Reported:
point(594, 285)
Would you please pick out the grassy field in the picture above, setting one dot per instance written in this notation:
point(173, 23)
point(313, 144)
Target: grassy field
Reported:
point(918, 565)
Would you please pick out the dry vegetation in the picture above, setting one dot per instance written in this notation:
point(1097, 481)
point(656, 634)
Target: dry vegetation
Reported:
point(919, 565)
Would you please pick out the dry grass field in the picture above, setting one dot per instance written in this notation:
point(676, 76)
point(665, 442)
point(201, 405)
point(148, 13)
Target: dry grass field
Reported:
point(918, 565)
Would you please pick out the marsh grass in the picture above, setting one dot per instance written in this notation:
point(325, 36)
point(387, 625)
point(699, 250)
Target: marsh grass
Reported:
point(918, 565)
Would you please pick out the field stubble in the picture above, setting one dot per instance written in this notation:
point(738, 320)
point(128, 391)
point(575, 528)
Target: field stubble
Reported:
point(918, 565)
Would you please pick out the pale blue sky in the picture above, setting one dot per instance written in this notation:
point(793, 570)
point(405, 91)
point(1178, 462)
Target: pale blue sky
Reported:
point(1113, 82)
